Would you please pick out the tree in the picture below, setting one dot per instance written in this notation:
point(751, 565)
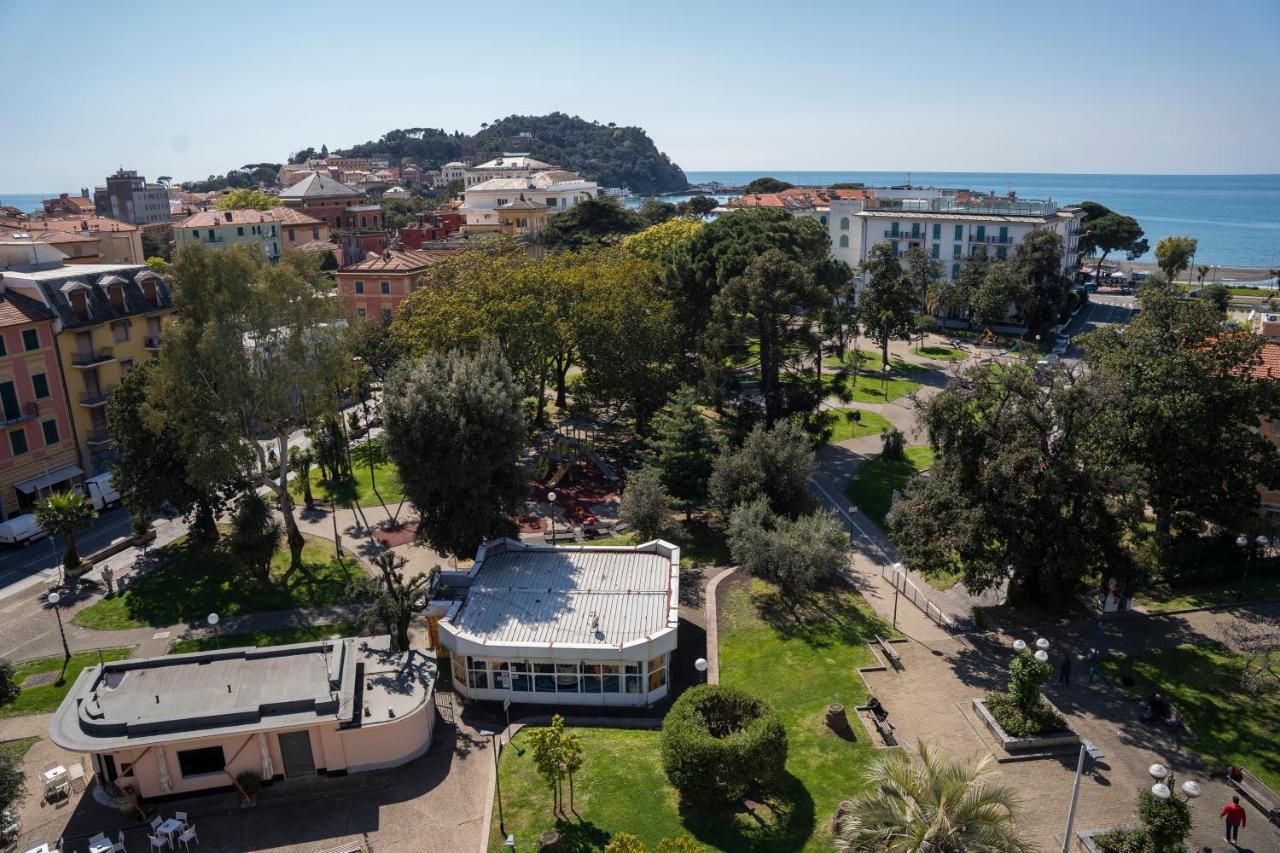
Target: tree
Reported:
point(1173, 254)
point(1113, 232)
point(684, 449)
point(766, 185)
point(658, 243)
point(255, 537)
point(1219, 295)
point(13, 784)
point(645, 505)
point(995, 294)
point(65, 513)
point(1181, 396)
point(773, 463)
point(9, 688)
point(1202, 271)
point(937, 806)
point(255, 350)
point(455, 429)
point(923, 273)
point(394, 599)
point(547, 744)
point(776, 302)
point(1014, 493)
point(655, 211)
point(887, 301)
point(590, 223)
point(159, 264)
point(301, 460)
point(893, 445)
point(1041, 287)
point(699, 205)
point(797, 555)
point(246, 199)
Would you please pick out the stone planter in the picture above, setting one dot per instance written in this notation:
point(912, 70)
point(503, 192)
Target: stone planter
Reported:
point(1038, 743)
point(1085, 839)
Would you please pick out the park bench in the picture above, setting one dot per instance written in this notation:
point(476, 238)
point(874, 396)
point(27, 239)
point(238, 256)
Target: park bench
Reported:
point(560, 536)
point(889, 653)
point(885, 728)
point(1257, 792)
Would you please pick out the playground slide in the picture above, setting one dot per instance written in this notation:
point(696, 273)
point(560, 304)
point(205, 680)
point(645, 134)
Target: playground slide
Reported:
point(1017, 346)
point(558, 476)
point(604, 469)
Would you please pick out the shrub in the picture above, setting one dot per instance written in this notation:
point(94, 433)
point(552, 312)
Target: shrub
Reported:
point(718, 743)
point(1021, 710)
point(249, 783)
point(798, 555)
point(1167, 823)
point(645, 504)
point(894, 445)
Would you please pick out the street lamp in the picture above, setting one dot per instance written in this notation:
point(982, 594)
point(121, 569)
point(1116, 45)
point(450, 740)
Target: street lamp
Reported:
point(1042, 648)
point(1243, 541)
point(212, 619)
point(900, 570)
point(497, 782)
point(551, 514)
point(53, 598)
point(884, 383)
point(701, 666)
point(1163, 788)
point(1086, 748)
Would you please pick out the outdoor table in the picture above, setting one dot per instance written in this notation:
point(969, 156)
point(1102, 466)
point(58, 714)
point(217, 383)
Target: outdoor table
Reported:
point(168, 828)
point(54, 775)
point(43, 848)
point(101, 846)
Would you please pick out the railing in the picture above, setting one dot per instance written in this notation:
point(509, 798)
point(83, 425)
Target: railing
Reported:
point(991, 239)
point(98, 436)
point(904, 235)
point(906, 587)
point(92, 357)
point(26, 411)
point(95, 398)
point(151, 342)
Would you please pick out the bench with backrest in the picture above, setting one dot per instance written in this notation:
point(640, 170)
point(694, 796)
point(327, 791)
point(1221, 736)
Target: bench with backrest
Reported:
point(894, 660)
point(885, 728)
point(1257, 792)
point(560, 536)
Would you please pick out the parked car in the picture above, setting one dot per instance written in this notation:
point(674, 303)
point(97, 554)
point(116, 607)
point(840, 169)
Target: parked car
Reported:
point(99, 490)
point(21, 530)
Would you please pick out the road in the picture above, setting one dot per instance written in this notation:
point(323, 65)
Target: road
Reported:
point(1102, 310)
point(21, 567)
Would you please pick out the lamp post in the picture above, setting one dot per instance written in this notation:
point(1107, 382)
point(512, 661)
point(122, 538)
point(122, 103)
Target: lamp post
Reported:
point(551, 514)
point(53, 599)
point(701, 666)
point(898, 569)
point(1086, 748)
point(212, 619)
point(1163, 788)
point(884, 382)
point(1042, 648)
point(497, 783)
point(1243, 541)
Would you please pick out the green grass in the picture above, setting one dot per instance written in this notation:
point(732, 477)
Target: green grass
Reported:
point(1162, 599)
point(1230, 727)
point(800, 662)
point(359, 488)
point(941, 353)
point(868, 388)
point(871, 489)
point(944, 579)
point(18, 749)
point(202, 578)
point(869, 362)
point(282, 637)
point(47, 697)
point(868, 423)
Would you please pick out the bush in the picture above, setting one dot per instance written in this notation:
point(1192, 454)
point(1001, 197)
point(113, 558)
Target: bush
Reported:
point(894, 445)
point(718, 743)
point(798, 555)
point(645, 504)
point(1021, 710)
point(1167, 823)
point(9, 688)
point(249, 783)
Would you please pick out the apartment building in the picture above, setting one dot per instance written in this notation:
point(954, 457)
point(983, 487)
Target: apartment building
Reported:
point(84, 239)
point(450, 172)
point(377, 285)
point(297, 229)
point(69, 205)
point(128, 197)
point(320, 196)
point(513, 165)
point(218, 229)
point(556, 189)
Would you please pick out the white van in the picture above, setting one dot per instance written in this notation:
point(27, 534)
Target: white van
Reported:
point(21, 530)
point(99, 490)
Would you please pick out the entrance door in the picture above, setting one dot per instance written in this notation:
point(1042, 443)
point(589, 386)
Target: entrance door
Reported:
point(295, 749)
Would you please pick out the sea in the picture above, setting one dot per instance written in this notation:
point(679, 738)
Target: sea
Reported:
point(1235, 218)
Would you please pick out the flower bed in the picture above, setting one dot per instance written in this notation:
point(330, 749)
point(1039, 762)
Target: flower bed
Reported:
point(1056, 736)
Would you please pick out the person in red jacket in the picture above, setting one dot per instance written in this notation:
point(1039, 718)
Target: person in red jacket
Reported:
point(1236, 818)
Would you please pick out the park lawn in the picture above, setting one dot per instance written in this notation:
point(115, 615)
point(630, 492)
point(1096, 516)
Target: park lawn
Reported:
point(868, 388)
point(941, 353)
point(204, 577)
point(869, 362)
point(701, 545)
point(1162, 599)
point(46, 698)
point(868, 423)
point(1230, 727)
point(18, 749)
point(871, 488)
point(944, 579)
point(358, 489)
point(282, 637)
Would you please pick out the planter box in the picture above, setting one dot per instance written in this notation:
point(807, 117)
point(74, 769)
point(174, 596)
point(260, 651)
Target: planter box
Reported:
point(1086, 842)
point(1038, 743)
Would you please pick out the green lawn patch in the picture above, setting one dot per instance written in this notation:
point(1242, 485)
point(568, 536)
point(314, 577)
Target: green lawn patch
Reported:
point(282, 637)
point(1162, 599)
point(871, 489)
point(941, 353)
point(944, 579)
point(18, 749)
point(869, 362)
point(845, 426)
point(46, 698)
point(203, 577)
point(358, 489)
point(866, 388)
point(1230, 727)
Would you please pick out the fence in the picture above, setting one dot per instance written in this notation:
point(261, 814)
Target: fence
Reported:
point(905, 586)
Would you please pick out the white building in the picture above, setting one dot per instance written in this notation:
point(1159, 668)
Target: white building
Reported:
point(450, 172)
point(950, 226)
point(566, 626)
point(557, 189)
point(514, 165)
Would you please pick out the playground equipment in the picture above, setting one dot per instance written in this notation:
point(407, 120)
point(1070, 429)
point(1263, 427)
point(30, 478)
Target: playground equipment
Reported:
point(1017, 347)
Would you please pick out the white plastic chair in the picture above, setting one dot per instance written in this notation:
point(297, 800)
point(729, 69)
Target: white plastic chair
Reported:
point(117, 846)
point(155, 823)
point(180, 817)
point(188, 835)
point(158, 841)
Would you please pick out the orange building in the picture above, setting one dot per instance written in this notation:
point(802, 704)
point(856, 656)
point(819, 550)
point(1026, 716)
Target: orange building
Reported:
point(377, 285)
point(320, 196)
point(298, 228)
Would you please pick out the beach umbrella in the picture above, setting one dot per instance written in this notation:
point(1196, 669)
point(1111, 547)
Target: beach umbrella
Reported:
point(166, 784)
point(268, 769)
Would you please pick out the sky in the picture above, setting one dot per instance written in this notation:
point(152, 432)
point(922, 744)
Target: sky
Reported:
point(191, 89)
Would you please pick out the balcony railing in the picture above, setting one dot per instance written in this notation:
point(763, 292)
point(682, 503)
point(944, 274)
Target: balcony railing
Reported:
point(26, 411)
point(991, 239)
point(98, 436)
point(151, 342)
point(96, 397)
point(92, 357)
point(901, 235)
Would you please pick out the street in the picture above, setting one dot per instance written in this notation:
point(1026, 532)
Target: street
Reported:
point(1102, 310)
point(21, 567)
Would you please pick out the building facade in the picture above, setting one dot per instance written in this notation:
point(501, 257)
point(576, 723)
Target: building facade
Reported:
point(557, 190)
point(69, 205)
point(376, 286)
point(321, 197)
point(38, 453)
point(88, 239)
point(564, 626)
point(128, 197)
point(450, 172)
point(513, 165)
point(298, 229)
point(218, 229)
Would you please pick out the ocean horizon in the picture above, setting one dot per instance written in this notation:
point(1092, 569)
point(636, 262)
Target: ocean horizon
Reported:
point(1235, 218)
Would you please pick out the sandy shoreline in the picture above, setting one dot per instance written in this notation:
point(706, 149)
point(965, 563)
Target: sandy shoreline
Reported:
point(1216, 274)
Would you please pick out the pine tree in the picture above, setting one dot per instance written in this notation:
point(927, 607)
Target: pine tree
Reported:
point(684, 449)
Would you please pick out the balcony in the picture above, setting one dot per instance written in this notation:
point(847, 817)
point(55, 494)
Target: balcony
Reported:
point(93, 357)
point(98, 437)
point(991, 239)
point(26, 411)
point(95, 397)
point(151, 342)
point(902, 235)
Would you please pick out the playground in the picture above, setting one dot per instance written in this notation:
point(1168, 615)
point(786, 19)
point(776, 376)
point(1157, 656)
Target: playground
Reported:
point(568, 463)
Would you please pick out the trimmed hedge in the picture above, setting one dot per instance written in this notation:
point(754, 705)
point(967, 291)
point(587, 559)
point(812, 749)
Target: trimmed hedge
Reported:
point(718, 743)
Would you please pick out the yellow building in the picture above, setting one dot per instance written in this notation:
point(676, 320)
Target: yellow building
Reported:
point(108, 318)
point(113, 242)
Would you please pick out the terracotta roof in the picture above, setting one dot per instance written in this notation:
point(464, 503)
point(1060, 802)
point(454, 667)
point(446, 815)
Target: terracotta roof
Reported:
point(322, 246)
point(84, 204)
point(522, 203)
point(1270, 366)
point(18, 310)
point(798, 197)
point(56, 237)
point(293, 216)
point(220, 218)
point(72, 223)
point(397, 260)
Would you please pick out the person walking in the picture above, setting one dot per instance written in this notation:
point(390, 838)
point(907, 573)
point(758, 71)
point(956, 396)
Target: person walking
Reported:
point(1064, 671)
point(1235, 818)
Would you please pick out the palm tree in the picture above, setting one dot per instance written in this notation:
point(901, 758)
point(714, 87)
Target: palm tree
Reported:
point(1201, 271)
point(937, 806)
point(65, 513)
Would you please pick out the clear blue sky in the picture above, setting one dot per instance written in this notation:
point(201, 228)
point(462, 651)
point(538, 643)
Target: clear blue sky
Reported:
point(186, 89)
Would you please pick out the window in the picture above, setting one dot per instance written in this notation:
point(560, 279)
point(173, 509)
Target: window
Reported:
point(126, 364)
point(386, 316)
point(893, 246)
point(195, 232)
point(544, 679)
point(956, 250)
point(30, 339)
point(360, 312)
point(18, 441)
point(609, 677)
point(520, 679)
point(844, 223)
point(551, 202)
point(937, 231)
point(1001, 253)
point(50, 432)
point(239, 230)
point(955, 270)
point(211, 237)
point(40, 384)
point(3, 349)
point(120, 332)
point(591, 678)
point(477, 674)
point(364, 221)
point(315, 234)
point(385, 287)
point(936, 251)
point(844, 241)
point(201, 762)
point(1004, 234)
point(80, 305)
point(893, 229)
point(9, 401)
point(633, 678)
point(981, 236)
point(566, 678)
point(359, 287)
point(657, 672)
point(959, 232)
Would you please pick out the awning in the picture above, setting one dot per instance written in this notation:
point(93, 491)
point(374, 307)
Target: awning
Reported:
point(44, 481)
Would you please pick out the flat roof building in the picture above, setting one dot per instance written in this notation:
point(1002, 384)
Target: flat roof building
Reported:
point(573, 625)
point(191, 722)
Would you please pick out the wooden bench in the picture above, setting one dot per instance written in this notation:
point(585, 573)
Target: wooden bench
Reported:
point(1257, 792)
point(885, 728)
point(894, 660)
point(560, 536)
